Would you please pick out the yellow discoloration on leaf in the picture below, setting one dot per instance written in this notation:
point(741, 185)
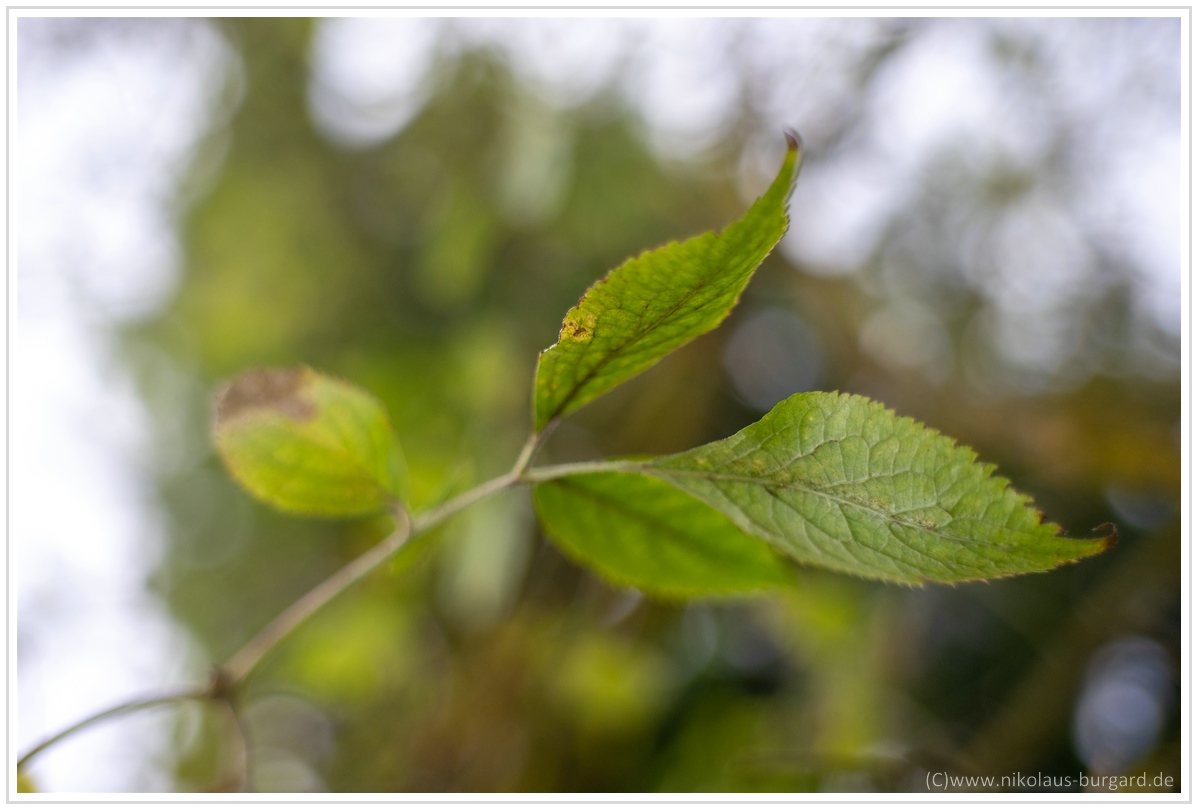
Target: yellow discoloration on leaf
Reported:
point(658, 302)
point(578, 326)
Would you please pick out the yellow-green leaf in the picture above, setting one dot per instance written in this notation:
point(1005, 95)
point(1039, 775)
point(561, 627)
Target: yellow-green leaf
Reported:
point(657, 302)
point(308, 443)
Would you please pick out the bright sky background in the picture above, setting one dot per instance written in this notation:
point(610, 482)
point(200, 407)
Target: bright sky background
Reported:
point(103, 135)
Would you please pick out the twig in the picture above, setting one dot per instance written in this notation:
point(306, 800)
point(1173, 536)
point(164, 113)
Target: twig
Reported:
point(237, 757)
point(244, 660)
point(526, 453)
point(192, 693)
point(426, 520)
point(539, 474)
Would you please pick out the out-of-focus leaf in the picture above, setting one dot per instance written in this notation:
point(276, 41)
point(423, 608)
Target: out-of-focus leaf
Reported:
point(657, 302)
point(638, 531)
point(305, 442)
point(839, 481)
point(25, 783)
point(606, 685)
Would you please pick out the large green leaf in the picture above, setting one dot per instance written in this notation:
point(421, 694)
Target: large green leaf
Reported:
point(304, 442)
point(661, 300)
point(636, 530)
point(841, 482)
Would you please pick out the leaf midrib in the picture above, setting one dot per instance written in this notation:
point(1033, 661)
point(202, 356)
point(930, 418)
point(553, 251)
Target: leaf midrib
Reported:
point(613, 354)
point(665, 472)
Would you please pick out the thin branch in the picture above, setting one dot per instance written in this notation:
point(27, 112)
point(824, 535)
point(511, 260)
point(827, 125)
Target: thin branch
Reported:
point(526, 452)
point(191, 693)
point(249, 656)
point(243, 662)
point(539, 474)
point(426, 520)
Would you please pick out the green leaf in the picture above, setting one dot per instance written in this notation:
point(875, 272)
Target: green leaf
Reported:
point(840, 482)
point(661, 300)
point(308, 443)
point(635, 530)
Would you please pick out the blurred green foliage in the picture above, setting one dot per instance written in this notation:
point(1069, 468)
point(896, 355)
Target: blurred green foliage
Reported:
point(431, 269)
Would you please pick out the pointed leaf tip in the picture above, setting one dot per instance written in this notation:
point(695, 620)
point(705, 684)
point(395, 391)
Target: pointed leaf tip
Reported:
point(658, 302)
point(1112, 535)
point(794, 141)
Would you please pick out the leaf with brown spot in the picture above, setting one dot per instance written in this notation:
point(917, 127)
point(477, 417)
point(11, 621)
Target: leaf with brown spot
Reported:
point(309, 443)
point(658, 302)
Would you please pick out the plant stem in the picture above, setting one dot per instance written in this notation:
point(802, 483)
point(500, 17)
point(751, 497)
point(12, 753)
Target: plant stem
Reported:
point(236, 778)
point(426, 520)
point(192, 693)
point(539, 474)
point(526, 452)
point(248, 657)
point(243, 662)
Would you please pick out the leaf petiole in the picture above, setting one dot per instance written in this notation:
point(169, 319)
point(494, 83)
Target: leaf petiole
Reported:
point(539, 475)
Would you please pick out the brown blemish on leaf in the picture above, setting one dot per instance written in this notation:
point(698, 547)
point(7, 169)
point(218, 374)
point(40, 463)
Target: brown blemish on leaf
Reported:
point(266, 390)
point(578, 329)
